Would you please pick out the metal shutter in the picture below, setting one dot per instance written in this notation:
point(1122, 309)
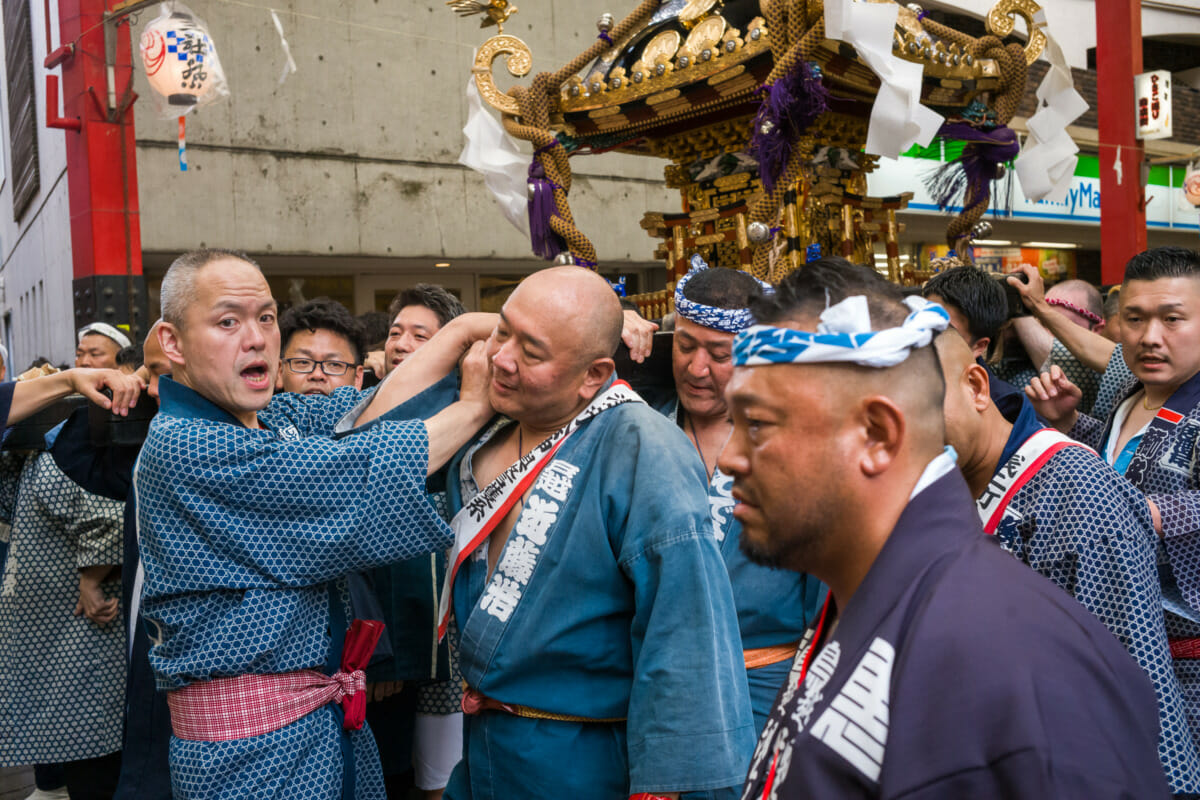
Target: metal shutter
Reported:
point(22, 110)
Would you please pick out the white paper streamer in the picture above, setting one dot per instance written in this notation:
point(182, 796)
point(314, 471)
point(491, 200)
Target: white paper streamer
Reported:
point(898, 120)
point(1047, 160)
point(494, 154)
point(290, 66)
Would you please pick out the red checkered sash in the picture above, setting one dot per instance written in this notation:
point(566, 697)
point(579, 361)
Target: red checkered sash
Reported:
point(250, 705)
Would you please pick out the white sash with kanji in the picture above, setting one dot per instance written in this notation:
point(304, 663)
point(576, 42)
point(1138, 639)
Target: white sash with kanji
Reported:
point(476, 521)
point(1016, 472)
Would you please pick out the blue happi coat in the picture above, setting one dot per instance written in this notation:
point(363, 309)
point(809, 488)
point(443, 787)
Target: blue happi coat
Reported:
point(1089, 531)
point(625, 612)
point(955, 672)
point(774, 606)
point(245, 535)
point(1165, 469)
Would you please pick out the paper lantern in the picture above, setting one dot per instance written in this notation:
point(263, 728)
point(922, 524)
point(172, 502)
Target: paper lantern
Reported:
point(181, 61)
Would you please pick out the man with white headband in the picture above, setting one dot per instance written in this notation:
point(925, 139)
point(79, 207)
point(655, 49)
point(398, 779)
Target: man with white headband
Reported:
point(98, 345)
point(994, 682)
point(774, 606)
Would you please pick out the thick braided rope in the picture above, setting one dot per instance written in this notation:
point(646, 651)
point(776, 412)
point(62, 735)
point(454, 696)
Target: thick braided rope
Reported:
point(767, 206)
point(1014, 73)
point(941, 31)
point(775, 12)
point(533, 125)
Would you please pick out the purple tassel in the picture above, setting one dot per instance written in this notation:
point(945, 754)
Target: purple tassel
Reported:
point(967, 179)
point(546, 243)
point(792, 104)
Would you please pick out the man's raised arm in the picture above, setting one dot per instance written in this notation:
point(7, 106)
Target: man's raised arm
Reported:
point(428, 365)
point(31, 396)
point(1092, 349)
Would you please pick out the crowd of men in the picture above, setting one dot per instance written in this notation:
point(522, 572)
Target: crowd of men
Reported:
point(541, 553)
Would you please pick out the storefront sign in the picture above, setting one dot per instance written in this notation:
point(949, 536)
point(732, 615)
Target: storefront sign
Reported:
point(1153, 93)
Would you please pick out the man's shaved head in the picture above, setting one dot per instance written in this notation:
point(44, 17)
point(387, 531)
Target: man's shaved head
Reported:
point(585, 305)
point(1082, 294)
point(953, 351)
point(915, 384)
point(552, 350)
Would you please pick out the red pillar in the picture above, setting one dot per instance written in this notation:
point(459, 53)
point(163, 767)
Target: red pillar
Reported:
point(102, 170)
point(1122, 210)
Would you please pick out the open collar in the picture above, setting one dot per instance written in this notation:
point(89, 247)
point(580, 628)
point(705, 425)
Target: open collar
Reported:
point(178, 400)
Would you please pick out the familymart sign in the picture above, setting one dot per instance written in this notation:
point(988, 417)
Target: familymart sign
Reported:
point(1165, 207)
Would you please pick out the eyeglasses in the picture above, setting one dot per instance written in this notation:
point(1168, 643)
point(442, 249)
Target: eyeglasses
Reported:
point(303, 366)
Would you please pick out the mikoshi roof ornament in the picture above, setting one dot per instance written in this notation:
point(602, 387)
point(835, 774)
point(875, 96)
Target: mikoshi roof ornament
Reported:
point(181, 65)
point(772, 114)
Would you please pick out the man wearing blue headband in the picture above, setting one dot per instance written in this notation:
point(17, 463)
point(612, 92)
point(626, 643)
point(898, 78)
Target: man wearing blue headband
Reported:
point(940, 667)
point(774, 606)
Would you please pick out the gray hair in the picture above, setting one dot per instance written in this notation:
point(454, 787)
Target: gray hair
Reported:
point(178, 285)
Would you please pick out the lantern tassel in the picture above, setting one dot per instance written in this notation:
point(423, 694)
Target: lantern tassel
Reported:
point(546, 243)
point(182, 144)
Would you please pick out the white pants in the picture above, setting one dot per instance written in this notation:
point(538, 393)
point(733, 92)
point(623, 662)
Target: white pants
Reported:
point(437, 748)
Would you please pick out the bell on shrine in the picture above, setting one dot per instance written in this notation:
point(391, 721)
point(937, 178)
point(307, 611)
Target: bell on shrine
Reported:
point(181, 61)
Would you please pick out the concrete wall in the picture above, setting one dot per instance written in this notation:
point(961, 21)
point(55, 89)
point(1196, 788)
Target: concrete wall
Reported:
point(355, 154)
point(35, 296)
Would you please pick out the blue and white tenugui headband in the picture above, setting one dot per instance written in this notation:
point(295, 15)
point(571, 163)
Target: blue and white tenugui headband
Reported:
point(730, 320)
point(843, 335)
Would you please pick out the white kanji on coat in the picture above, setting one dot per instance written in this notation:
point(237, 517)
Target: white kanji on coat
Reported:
point(519, 559)
point(501, 597)
point(538, 517)
point(557, 478)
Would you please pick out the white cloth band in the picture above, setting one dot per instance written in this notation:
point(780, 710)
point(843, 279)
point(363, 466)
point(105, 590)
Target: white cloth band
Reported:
point(104, 329)
point(843, 335)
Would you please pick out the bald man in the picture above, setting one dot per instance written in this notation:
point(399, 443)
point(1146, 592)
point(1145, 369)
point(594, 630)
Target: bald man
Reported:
point(1056, 506)
point(598, 633)
point(940, 668)
point(1064, 318)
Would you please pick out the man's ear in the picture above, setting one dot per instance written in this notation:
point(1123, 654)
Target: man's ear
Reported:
point(979, 349)
point(358, 377)
point(980, 383)
point(279, 377)
point(170, 342)
point(1099, 326)
point(597, 375)
point(884, 428)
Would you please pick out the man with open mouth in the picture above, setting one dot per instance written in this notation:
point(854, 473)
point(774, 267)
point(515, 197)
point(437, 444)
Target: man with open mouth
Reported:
point(251, 511)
